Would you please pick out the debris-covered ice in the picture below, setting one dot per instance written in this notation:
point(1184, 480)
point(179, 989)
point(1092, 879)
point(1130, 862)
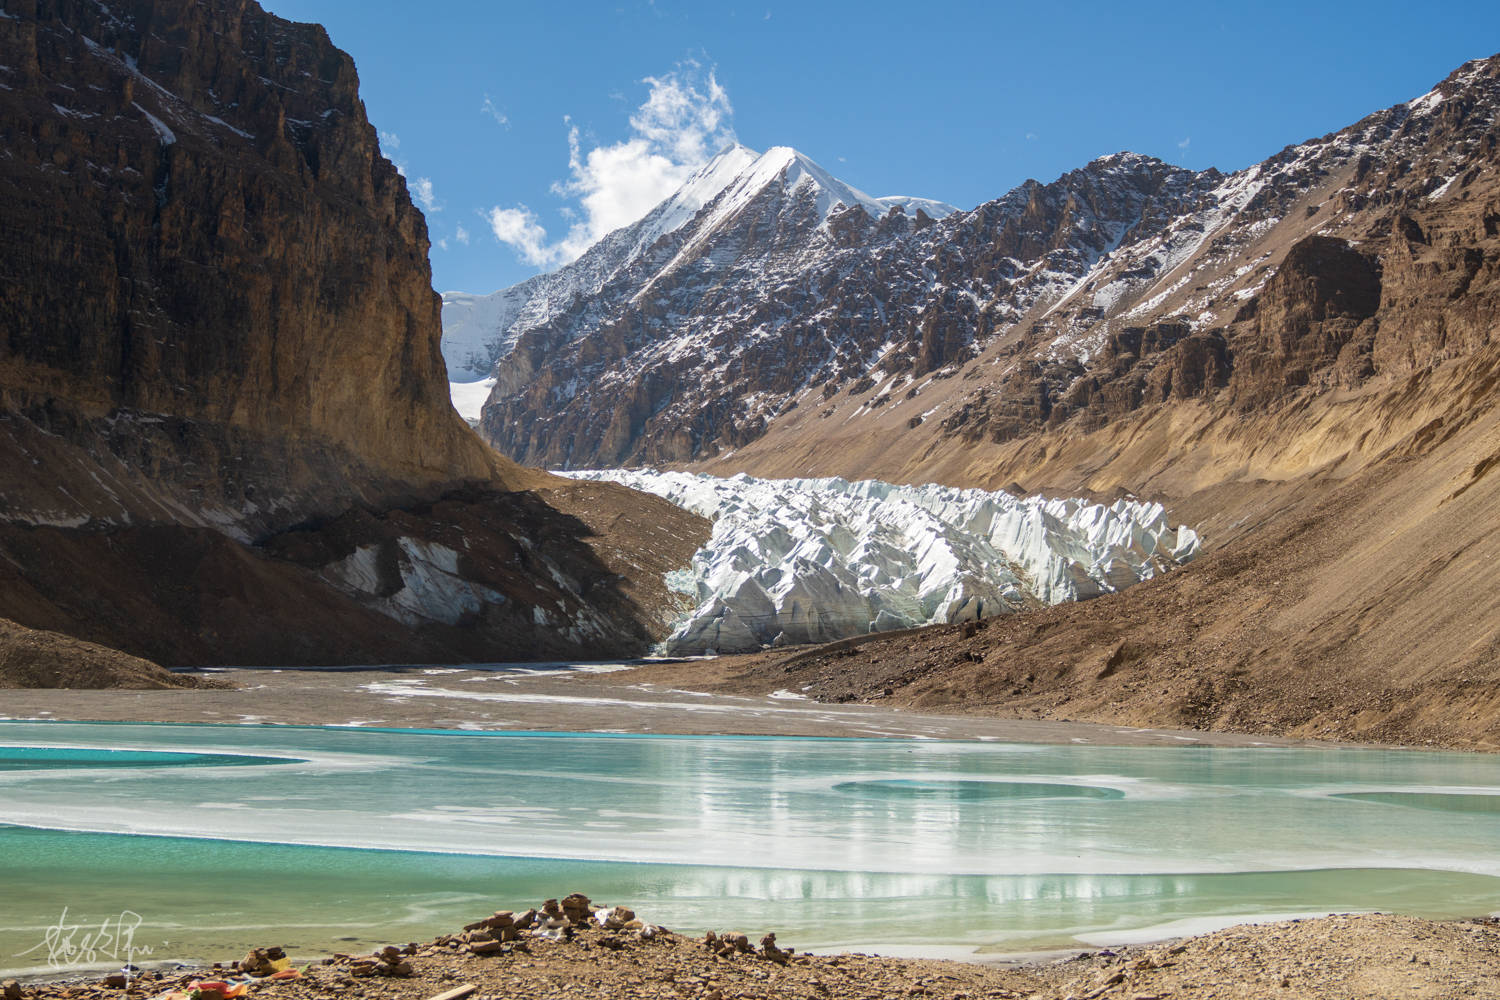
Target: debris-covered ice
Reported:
point(813, 560)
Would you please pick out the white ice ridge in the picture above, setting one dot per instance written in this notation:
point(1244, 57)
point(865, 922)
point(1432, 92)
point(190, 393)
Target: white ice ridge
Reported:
point(812, 560)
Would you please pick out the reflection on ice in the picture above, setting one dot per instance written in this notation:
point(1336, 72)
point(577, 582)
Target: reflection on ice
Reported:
point(835, 842)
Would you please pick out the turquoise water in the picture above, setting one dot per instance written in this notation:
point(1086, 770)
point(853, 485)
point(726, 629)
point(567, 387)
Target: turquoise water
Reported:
point(263, 835)
point(14, 758)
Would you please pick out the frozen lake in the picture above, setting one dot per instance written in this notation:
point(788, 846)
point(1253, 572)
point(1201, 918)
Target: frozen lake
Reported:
point(222, 837)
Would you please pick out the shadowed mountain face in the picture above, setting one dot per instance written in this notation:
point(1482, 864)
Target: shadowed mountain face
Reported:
point(217, 332)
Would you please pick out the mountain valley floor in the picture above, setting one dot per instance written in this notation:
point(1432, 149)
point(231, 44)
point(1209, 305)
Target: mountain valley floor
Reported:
point(693, 697)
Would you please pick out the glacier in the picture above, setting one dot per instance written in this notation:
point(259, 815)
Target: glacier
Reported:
point(795, 561)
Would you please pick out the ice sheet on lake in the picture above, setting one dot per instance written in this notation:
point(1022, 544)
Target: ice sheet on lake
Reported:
point(814, 560)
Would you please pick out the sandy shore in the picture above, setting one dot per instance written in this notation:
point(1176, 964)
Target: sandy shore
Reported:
point(639, 698)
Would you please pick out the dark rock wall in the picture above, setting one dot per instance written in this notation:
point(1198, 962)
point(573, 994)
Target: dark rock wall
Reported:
point(225, 432)
point(199, 227)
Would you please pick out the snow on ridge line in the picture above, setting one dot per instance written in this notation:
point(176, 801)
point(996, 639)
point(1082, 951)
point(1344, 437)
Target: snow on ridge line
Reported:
point(795, 561)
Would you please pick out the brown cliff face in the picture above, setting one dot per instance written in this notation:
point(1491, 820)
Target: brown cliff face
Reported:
point(224, 417)
point(202, 241)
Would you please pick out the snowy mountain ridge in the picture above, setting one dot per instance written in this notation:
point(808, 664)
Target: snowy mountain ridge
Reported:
point(1125, 283)
point(780, 287)
point(478, 330)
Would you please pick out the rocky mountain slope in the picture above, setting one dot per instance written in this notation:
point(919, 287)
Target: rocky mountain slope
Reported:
point(1299, 359)
point(223, 413)
point(1125, 283)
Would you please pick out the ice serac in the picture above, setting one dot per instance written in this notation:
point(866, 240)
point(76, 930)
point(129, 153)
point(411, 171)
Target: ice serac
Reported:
point(222, 401)
point(814, 560)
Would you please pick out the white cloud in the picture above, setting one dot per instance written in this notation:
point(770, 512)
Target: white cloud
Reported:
point(389, 143)
point(462, 235)
point(422, 189)
point(518, 227)
point(684, 121)
point(1185, 143)
point(488, 108)
point(442, 244)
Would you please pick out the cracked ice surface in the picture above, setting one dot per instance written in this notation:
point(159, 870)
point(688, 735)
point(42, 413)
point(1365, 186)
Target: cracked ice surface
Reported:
point(813, 560)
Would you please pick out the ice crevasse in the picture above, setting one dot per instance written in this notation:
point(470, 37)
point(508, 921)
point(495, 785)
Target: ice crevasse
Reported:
point(797, 561)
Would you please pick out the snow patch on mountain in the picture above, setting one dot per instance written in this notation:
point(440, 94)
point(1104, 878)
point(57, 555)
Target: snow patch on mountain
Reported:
point(478, 329)
point(813, 560)
point(469, 398)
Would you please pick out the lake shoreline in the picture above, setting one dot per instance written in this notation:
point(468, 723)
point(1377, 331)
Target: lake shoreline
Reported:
point(608, 954)
point(646, 698)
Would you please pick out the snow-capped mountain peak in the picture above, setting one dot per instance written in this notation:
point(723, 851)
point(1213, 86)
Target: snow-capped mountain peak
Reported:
point(699, 189)
point(795, 172)
point(478, 330)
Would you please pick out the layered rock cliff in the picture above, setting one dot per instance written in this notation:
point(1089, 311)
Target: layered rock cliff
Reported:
point(223, 412)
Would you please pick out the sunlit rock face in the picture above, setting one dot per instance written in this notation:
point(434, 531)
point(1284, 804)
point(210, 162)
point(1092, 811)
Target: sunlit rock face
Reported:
point(813, 560)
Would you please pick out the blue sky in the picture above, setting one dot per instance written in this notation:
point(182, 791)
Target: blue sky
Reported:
point(478, 101)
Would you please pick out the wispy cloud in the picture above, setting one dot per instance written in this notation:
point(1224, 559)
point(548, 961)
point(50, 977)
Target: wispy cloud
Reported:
point(519, 228)
point(421, 189)
point(488, 108)
point(1185, 143)
point(389, 143)
point(685, 120)
point(462, 235)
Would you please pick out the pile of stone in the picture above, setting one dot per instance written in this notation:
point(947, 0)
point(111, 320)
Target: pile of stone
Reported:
point(497, 934)
point(731, 943)
point(388, 961)
point(563, 919)
point(262, 962)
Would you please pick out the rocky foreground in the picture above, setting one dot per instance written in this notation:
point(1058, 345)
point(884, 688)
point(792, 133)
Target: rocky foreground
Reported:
point(581, 949)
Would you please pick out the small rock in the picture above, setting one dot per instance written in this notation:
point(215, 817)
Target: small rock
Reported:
point(615, 919)
point(490, 947)
point(116, 980)
point(12, 990)
point(769, 950)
